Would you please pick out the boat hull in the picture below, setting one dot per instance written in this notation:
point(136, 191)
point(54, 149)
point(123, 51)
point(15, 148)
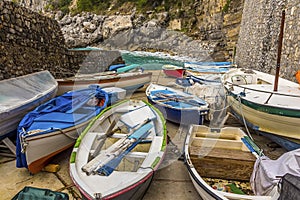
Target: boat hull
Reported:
point(265, 122)
point(173, 71)
point(130, 82)
point(10, 118)
point(178, 116)
point(55, 125)
point(40, 149)
point(252, 99)
point(201, 144)
point(134, 178)
point(177, 106)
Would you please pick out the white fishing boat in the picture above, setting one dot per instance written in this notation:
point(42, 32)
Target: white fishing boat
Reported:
point(55, 125)
point(130, 81)
point(117, 155)
point(252, 99)
point(221, 164)
point(22, 94)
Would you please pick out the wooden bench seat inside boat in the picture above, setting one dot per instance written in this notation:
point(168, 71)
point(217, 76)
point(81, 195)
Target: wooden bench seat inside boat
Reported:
point(222, 163)
point(221, 154)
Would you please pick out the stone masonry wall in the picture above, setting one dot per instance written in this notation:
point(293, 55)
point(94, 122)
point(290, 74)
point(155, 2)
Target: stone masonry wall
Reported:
point(30, 42)
point(259, 34)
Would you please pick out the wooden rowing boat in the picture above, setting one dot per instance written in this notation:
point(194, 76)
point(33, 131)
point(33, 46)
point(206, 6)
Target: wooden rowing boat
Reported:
point(22, 94)
point(129, 81)
point(55, 125)
point(221, 162)
point(117, 155)
point(252, 99)
point(177, 106)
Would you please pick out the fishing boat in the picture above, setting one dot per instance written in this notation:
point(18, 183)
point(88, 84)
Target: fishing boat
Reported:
point(177, 106)
point(130, 81)
point(275, 114)
point(55, 125)
point(117, 155)
point(200, 68)
point(220, 163)
point(173, 71)
point(22, 94)
point(204, 79)
point(208, 64)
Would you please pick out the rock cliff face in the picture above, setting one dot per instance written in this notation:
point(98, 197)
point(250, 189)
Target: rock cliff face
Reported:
point(211, 25)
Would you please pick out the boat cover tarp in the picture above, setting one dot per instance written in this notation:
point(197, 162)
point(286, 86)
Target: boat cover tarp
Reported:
point(290, 187)
point(70, 101)
point(34, 193)
point(267, 172)
point(18, 91)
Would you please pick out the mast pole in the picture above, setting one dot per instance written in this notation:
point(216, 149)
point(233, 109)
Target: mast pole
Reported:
point(279, 51)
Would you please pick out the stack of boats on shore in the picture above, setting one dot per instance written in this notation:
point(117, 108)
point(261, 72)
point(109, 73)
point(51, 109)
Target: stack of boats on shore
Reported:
point(250, 96)
point(126, 140)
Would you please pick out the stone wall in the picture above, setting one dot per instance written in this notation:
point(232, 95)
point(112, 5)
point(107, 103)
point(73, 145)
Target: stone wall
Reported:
point(259, 35)
point(30, 42)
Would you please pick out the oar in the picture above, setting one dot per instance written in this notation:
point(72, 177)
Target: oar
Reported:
point(108, 168)
point(109, 132)
point(177, 99)
point(113, 151)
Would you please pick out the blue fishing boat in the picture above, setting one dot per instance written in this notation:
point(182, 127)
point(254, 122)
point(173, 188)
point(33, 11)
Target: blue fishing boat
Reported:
point(55, 125)
point(177, 106)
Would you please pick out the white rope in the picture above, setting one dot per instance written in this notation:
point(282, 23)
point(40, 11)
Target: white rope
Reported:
point(244, 121)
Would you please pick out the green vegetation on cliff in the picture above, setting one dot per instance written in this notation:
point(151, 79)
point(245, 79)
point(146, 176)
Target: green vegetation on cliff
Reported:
point(109, 6)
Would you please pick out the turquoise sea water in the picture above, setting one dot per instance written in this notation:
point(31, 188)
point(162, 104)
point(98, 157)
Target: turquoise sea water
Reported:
point(150, 61)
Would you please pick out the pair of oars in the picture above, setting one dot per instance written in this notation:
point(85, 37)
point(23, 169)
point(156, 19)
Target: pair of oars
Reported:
point(113, 151)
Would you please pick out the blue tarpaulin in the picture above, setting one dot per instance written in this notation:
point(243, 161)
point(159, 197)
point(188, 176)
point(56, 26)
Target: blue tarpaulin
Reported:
point(60, 113)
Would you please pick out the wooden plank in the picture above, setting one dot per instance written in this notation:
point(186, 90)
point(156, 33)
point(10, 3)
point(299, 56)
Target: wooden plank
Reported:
point(10, 145)
point(222, 163)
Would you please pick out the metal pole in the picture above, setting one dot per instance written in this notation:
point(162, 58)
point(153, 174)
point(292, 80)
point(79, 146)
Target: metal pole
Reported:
point(279, 51)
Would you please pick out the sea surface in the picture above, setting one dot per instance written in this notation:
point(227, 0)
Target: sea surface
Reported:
point(153, 61)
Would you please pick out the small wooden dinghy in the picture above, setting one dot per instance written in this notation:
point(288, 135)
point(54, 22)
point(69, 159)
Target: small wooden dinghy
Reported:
point(177, 106)
point(173, 71)
point(22, 94)
point(220, 162)
point(117, 154)
point(55, 125)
